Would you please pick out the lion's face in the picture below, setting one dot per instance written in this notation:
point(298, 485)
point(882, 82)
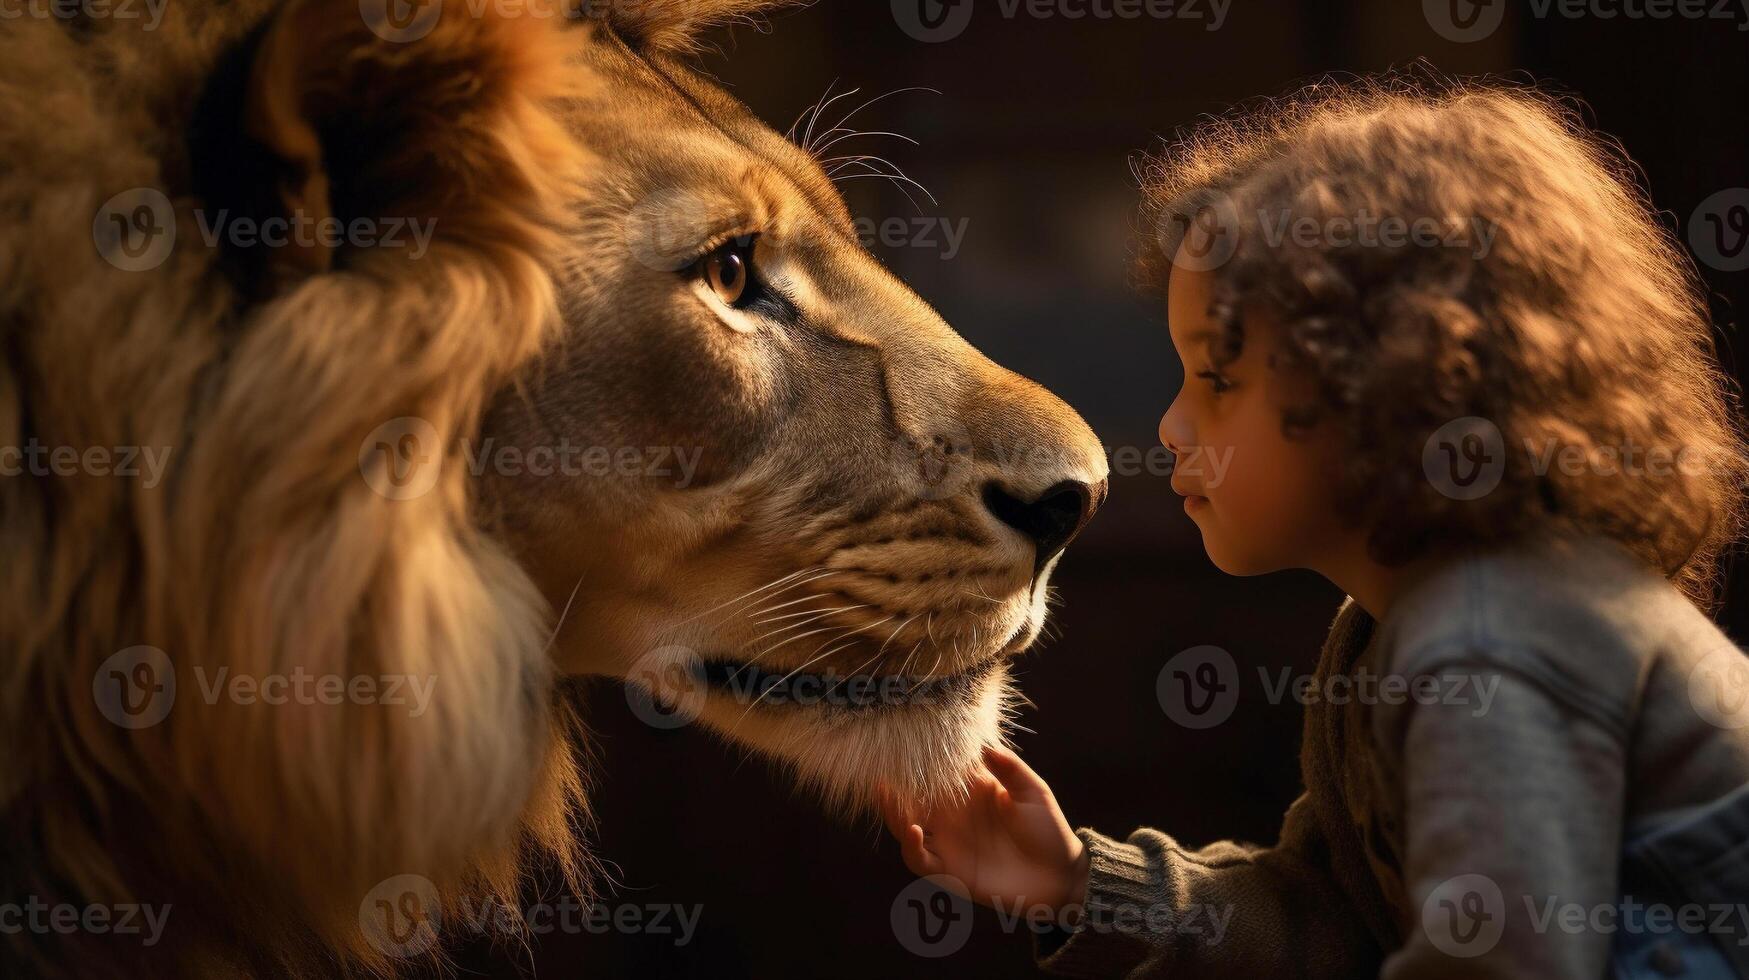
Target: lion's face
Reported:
point(668, 405)
point(761, 475)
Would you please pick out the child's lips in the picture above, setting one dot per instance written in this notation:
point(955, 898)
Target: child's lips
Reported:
point(1193, 501)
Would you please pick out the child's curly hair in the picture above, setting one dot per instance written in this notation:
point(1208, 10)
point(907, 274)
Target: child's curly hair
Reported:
point(1542, 297)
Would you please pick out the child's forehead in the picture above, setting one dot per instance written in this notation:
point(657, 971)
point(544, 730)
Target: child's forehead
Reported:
point(1188, 295)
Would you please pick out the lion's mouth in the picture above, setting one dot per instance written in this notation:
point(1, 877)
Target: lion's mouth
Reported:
point(752, 685)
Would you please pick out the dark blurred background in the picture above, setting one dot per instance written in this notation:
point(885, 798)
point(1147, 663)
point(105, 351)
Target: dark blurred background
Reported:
point(1028, 149)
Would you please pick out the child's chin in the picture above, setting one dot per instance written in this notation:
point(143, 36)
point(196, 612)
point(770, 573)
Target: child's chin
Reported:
point(1232, 559)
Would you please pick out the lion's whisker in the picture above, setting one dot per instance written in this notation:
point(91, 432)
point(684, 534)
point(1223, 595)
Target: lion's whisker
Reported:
point(562, 614)
point(853, 134)
point(808, 137)
point(805, 665)
point(776, 646)
point(780, 592)
point(742, 596)
point(901, 629)
point(898, 91)
point(807, 598)
point(896, 179)
point(815, 616)
point(806, 612)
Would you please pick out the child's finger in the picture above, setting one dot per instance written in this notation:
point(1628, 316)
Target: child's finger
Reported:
point(1015, 775)
point(917, 857)
point(892, 812)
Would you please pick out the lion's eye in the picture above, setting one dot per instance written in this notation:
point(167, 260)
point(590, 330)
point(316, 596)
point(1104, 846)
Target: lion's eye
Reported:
point(729, 272)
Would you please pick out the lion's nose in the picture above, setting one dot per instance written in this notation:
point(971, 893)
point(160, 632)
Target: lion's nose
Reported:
point(1052, 520)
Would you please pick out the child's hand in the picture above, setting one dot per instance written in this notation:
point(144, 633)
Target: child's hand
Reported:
point(1008, 843)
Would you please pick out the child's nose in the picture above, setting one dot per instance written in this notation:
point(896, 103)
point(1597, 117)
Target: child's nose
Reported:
point(1174, 428)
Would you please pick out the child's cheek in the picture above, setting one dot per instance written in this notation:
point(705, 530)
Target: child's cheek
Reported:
point(1266, 491)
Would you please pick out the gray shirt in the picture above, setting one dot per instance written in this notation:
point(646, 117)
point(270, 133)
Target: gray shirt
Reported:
point(1540, 768)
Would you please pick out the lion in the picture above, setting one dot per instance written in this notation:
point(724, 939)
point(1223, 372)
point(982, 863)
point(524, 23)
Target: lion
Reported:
point(469, 350)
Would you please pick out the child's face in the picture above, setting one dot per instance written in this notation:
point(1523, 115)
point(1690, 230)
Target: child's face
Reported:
point(1262, 501)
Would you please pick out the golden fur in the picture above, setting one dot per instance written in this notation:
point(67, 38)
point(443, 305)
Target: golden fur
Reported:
point(270, 546)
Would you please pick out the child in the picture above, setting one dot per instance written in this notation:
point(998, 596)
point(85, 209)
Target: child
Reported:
point(1462, 374)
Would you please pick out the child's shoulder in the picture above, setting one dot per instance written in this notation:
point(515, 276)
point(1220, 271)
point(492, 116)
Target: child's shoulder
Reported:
point(1582, 615)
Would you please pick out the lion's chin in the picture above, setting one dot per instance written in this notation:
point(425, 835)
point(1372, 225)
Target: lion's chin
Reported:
point(920, 739)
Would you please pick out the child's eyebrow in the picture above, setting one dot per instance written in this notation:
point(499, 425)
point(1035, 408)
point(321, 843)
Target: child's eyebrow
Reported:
point(1204, 336)
point(1199, 337)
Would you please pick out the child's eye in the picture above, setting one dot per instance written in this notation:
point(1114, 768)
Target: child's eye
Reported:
point(1218, 383)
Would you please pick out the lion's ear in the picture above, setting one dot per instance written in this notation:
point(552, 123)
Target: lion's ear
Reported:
point(675, 25)
point(423, 117)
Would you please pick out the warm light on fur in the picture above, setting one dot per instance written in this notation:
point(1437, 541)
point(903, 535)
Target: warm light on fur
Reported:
point(268, 546)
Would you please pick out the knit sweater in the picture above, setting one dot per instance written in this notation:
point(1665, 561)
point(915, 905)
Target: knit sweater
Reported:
point(1443, 833)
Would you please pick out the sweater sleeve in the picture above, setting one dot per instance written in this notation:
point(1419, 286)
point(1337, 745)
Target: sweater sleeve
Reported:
point(1155, 909)
point(1513, 804)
